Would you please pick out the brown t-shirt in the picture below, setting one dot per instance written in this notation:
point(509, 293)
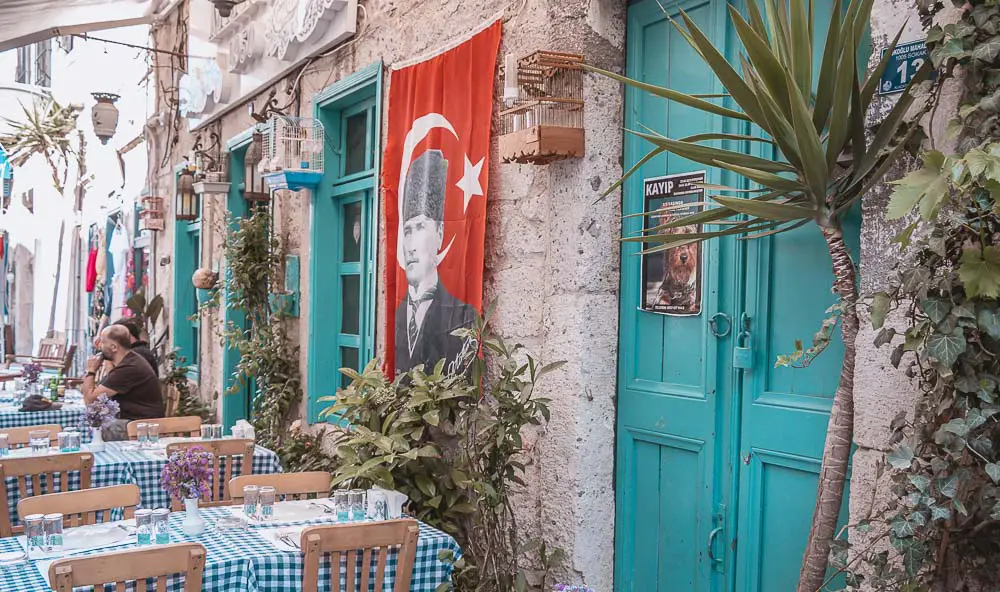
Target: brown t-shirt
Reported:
point(137, 386)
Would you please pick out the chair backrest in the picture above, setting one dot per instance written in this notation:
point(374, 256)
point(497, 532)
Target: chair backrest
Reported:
point(81, 507)
point(289, 485)
point(20, 437)
point(29, 472)
point(187, 559)
point(225, 453)
point(373, 540)
point(51, 349)
point(67, 362)
point(170, 400)
point(188, 425)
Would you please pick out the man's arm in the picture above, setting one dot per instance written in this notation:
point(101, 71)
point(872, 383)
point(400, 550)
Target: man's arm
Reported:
point(90, 389)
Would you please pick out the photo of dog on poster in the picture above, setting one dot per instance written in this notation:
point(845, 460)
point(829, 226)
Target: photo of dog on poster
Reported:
point(672, 278)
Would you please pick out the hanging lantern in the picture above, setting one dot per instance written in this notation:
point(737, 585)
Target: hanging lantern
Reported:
point(254, 189)
point(225, 7)
point(105, 116)
point(186, 207)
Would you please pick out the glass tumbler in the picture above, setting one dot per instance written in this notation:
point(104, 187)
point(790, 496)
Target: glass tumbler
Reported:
point(142, 434)
point(153, 433)
point(39, 440)
point(75, 438)
point(266, 503)
point(217, 431)
point(64, 443)
point(341, 505)
point(144, 527)
point(206, 431)
point(161, 526)
point(53, 529)
point(251, 496)
point(4, 445)
point(34, 533)
point(356, 502)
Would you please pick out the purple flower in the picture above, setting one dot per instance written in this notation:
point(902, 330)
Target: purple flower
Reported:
point(101, 412)
point(188, 473)
point(32, 371)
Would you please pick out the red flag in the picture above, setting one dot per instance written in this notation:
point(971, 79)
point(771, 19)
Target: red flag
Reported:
point(434, 179)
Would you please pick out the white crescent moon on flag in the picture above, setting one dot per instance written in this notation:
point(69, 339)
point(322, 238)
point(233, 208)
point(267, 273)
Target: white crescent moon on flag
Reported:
point(418, 131)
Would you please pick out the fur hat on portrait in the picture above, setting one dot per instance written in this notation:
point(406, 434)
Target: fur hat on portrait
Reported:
point(425, 186)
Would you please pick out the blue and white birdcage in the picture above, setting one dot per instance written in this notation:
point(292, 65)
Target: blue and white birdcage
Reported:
point(293, 153)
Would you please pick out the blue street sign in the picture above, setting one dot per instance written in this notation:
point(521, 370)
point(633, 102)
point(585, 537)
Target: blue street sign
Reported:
point(903, 65)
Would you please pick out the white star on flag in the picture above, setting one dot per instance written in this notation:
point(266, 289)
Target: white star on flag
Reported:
point(469, 183)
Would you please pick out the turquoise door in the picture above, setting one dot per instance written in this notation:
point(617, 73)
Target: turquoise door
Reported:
point(716, 466)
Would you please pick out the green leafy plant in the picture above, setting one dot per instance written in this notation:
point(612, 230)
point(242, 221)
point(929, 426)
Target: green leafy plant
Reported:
point(453, 445)
point(268, 358)
point(48, 129)
point(303, 451)
point(814, 120)
point(147, 316)
point(175, 376)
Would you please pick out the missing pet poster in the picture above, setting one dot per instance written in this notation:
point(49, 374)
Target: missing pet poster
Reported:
point(672, 278)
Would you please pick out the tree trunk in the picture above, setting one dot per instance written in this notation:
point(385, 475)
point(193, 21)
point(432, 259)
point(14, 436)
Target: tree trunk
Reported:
point(840, 431)
point(55, 288)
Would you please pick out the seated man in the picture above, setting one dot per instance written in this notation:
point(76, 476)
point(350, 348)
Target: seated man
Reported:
point(138, 345)
point(131, 382)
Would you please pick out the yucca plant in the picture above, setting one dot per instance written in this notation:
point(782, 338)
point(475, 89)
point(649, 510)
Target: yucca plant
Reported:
point(816, 121)
point(47, 129)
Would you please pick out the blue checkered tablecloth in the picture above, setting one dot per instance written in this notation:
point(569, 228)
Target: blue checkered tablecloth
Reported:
point(122, 463)
point(69, 416)
point(243, 560)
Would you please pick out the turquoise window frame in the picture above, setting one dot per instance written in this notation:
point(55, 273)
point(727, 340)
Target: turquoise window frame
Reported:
point(187, 257)
point(355, 93)
point(236, 404)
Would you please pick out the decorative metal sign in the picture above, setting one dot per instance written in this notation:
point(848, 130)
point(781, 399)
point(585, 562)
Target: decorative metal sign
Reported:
point(906, 59)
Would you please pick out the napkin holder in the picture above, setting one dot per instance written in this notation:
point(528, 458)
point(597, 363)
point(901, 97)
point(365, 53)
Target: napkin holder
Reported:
point(393, 500)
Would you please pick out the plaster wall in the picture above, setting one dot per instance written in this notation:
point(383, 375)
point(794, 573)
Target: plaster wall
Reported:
point(551, 252)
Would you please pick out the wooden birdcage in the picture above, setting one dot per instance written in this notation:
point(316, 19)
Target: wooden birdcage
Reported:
point(542, 119)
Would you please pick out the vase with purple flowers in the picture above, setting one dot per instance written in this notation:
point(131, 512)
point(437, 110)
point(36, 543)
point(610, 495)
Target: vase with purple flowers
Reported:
point(32, 372)
point(188, 476)
point(100, 413)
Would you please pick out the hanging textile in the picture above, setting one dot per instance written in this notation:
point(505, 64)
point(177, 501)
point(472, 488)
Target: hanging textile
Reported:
point(435, 176)
point(91, 269)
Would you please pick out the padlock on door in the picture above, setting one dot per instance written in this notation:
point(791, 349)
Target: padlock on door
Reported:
point(742, 353)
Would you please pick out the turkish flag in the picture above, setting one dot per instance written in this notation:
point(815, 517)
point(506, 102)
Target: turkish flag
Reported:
point(435, 174)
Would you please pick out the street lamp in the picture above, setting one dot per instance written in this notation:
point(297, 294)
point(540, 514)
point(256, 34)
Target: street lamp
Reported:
point(186, 205)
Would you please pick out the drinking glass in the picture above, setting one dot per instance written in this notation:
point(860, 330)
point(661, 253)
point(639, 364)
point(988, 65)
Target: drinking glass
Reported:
point(34, 533)
point(144, 527)
point(341, 505)
point(39, 440)
point(153, 433)
point(356, 501)
point(206, 431)
point(161, 526)
point(4, 445)
point(266, 502)
point(142, 434)
point(251, 496)
point(52, 527)
point(64, 443)
point(75, 439)
point(217, 431)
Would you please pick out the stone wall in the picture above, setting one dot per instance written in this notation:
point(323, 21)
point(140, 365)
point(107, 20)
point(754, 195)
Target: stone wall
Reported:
point(551, 252)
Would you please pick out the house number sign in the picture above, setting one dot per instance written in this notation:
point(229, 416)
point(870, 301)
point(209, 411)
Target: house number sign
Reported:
point(906, 59)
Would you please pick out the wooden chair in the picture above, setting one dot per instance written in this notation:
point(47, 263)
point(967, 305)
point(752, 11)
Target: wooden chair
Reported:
point(32, 469)
point(20, 437)
point(187, 559)
point(290, 485)
point(171, 398)
point(80, 507)
point(224, 452)
point(51, 354)
point(188, 425)
point(371, 538)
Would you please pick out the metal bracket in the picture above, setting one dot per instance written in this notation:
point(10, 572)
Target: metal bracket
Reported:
point(713, 324)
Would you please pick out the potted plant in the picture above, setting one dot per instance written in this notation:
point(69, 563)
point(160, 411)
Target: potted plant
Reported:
point(100, 414)
point(187, 476)
point(204, 280)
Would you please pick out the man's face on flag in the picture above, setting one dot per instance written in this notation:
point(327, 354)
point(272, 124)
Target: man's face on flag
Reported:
point(422, 239)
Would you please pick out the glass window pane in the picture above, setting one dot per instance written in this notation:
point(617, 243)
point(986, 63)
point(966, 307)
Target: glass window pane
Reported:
point(348, 359)
point(352, 232)
point(350, 311)
point(356, 138)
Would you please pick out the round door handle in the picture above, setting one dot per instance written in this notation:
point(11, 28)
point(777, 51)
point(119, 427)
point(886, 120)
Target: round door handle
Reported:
point(713, 324)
